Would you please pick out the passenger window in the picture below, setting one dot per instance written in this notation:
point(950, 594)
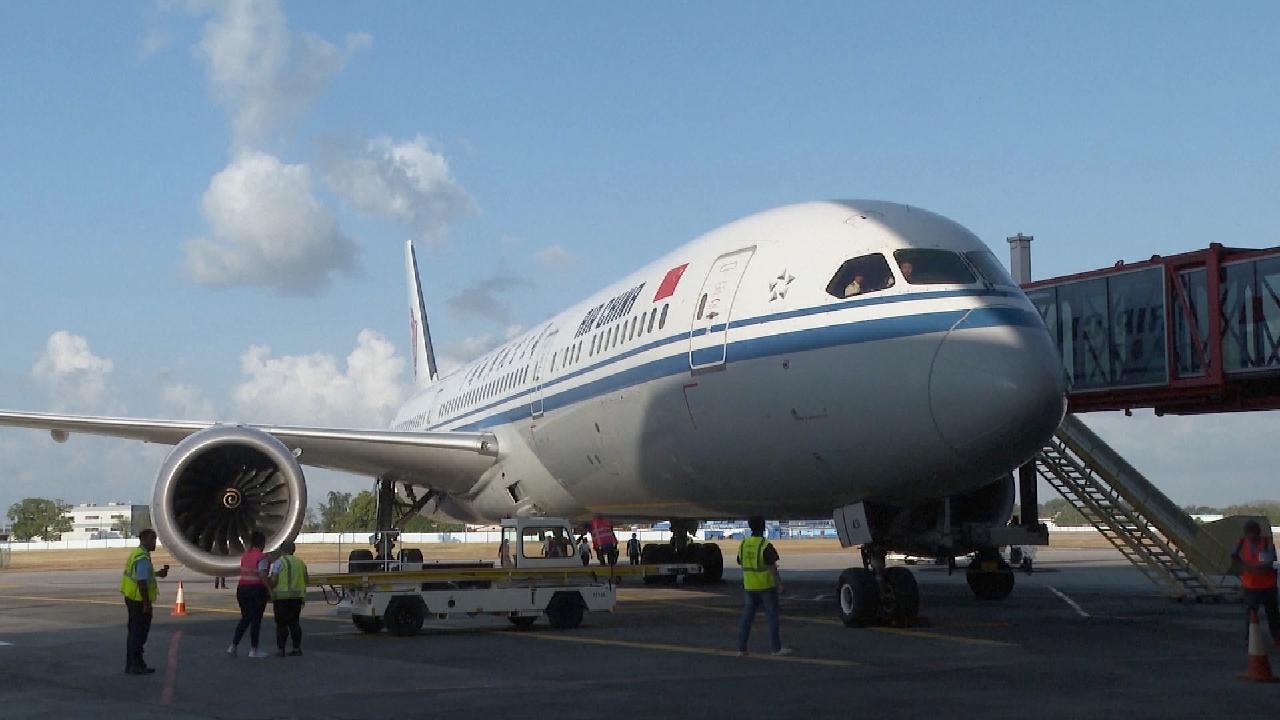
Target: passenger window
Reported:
point(662, 319)
point(653, 315)
point(990, 268)
point(632, 332)
point(933, 267)
point(860, 276)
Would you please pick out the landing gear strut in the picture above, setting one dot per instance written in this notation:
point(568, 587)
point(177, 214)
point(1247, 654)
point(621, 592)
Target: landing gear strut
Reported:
point(875, 594)
point(682, 549)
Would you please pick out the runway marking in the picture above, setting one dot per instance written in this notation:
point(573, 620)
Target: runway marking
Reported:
point(171, 669)
point(893, 631)
point(192, 608)
point(1068, 601)
point(5, 644)
point(691, 650)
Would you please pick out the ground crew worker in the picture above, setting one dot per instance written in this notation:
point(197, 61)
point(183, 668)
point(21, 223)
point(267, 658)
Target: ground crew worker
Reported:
point(139, 587)
point(605, 541)
point(584, 551)
point(761, 582)
point(288, 593)
point(1257, 556)
point(252, 595)
point(633, 550)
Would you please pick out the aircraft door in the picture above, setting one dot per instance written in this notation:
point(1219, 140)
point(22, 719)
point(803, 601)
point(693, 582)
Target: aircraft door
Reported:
point(541, 370)
point(709, 333)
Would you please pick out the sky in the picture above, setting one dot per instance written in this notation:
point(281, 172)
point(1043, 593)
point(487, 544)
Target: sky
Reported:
point(203, 205)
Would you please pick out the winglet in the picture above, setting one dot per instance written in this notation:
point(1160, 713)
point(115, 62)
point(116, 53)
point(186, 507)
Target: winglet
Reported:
point(424, 356)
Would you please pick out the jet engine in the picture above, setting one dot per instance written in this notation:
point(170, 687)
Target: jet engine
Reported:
point(217, 487)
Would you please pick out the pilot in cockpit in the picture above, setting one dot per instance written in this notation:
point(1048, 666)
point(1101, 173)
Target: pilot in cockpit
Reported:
point(855, 286)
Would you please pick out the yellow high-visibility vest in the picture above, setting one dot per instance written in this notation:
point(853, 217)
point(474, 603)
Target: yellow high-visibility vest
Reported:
point(291, 582)
point(755, 573)
point(129, 584)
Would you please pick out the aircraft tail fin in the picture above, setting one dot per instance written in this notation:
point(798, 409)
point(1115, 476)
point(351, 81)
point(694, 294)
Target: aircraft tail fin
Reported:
point(424, 356)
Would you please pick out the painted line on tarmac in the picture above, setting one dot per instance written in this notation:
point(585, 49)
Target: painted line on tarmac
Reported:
point(171, 669)
point(687, 649)
point(892, 631)
point(5, 644)
point(1079, 610)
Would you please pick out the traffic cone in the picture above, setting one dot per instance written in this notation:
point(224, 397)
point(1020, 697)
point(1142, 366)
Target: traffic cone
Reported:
point(1259, 668)
point(180, 607)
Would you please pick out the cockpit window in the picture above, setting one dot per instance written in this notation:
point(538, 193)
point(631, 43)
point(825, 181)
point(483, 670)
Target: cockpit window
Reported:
point(933, 267)
point(990, 268)
point(860, 276)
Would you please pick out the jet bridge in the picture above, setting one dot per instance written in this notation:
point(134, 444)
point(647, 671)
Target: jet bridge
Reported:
point(1194, 333)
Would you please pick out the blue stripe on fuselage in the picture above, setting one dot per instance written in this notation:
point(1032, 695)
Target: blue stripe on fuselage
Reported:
point(754, 348)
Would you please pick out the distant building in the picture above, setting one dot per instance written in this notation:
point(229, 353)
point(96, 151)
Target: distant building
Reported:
point(5, 533)
point(113, 520)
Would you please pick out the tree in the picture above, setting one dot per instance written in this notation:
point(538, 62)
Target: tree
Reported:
point(1063, 513)
point(362, 514)
point(38, 517)
point(1269, 509)
point(333, 513)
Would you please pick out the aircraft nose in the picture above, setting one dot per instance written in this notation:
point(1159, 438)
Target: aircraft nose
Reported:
point(996, 388)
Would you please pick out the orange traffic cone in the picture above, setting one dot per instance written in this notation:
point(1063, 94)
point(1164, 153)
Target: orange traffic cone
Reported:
point(180, 607)
point(1259, 668)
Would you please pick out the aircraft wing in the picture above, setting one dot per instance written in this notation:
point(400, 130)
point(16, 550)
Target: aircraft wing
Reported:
point(446, 461)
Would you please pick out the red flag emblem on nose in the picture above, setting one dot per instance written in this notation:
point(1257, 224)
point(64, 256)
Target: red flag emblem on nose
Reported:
point(669, 282)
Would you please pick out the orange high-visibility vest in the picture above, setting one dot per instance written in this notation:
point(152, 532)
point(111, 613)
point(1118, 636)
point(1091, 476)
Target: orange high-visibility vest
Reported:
point(1251, 552)
point(249, 568)
point(602, 533)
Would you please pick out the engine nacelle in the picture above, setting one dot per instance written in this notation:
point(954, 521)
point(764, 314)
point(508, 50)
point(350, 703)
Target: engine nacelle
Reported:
point(218, 486)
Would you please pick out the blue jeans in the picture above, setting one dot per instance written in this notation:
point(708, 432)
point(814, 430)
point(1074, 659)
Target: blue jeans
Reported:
point(756, 598)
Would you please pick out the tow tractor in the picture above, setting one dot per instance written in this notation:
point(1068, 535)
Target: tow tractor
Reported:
point(538, 573)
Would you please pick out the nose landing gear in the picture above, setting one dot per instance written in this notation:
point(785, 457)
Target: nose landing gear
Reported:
point(989, 576)
point(875, 594)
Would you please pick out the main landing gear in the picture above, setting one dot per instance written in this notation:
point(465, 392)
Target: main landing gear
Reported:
point(682, 549)
point(875, 594)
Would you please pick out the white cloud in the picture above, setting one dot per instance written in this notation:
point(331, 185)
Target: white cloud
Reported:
point(404, 182)
point(485, 299)
point(266, 76)
point(459, 353)
point(73, 375)
point(555, 257)
point(186, 402)
point(314, 390)
point(268, 230)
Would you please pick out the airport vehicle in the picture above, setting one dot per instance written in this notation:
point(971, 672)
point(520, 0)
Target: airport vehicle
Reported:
point(864, 359)
point(540, 575)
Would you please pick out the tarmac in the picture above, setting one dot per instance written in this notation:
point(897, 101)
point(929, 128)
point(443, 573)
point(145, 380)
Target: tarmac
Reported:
point(1085, 635)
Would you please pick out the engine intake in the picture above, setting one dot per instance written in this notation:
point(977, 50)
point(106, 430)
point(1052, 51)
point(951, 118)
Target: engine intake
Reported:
point(217, 487)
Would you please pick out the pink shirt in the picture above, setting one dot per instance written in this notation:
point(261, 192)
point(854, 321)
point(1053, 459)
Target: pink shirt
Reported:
point(250, 563)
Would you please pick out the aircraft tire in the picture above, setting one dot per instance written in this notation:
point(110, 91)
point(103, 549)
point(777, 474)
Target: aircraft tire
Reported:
point(367, 623)
point(656, 554)
point(360, 561)
point(903, 604)
point(712, 561)
point(992, 586)
point(857, 597)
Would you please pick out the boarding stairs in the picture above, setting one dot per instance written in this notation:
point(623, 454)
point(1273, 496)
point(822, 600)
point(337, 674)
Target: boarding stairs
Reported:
point(1150, 530)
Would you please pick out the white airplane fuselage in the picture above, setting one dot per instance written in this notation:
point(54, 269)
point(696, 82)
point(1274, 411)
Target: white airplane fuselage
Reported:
point(741, 385)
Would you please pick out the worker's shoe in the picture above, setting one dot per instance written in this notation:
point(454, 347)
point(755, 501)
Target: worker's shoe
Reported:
point(296, 652)
point(231, 650)
point(256, 653)
point(139, 671)
point(782, 651)
point(280, 652)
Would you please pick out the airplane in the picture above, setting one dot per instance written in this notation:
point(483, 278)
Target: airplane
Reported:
point(863, 360)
